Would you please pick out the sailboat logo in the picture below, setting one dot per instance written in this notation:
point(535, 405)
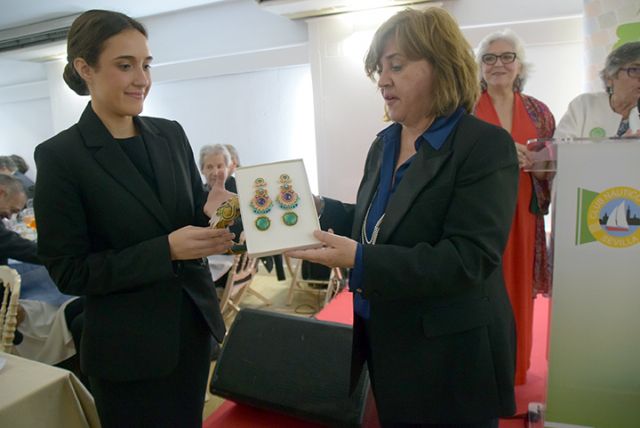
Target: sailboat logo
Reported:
point(611, 217)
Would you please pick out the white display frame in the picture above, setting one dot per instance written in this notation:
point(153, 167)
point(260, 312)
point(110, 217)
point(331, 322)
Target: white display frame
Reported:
point(279, 237)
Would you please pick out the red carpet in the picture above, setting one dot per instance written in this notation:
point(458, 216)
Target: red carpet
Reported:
point(535, 390)
point(340, 309)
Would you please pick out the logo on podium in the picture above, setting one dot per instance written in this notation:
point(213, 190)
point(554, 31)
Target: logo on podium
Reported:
point(611, 217)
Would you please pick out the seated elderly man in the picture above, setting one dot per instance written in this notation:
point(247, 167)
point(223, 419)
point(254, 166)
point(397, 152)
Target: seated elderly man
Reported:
point(45, 314)
point(9, 166)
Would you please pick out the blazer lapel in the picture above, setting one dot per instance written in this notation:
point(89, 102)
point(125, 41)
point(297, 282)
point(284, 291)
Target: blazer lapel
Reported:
point(367, 187)
point(116, 163)
point(422, 170)
point(163, 167)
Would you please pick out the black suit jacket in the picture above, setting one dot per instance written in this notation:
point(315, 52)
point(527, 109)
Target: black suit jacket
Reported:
point(442, 336)
point(103, 234)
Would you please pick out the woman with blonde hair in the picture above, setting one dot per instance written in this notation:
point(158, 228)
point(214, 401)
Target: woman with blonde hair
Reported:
point(425, 238)
point(504, 71)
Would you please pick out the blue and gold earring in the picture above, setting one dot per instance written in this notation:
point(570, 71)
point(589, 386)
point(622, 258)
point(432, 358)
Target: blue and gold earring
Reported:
point(288, 199)
point(261, 204)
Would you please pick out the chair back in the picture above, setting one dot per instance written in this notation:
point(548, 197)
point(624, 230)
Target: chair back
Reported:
point(240, 276)
point(10, 281)
point(327, 288)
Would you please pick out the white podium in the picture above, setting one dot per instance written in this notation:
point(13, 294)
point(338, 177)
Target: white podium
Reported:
point(594, 349)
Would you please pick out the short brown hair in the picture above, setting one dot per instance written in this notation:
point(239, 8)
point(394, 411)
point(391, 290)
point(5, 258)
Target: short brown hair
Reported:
point(432, 35)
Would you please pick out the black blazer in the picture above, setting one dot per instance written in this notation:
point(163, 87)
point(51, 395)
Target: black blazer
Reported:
point(441, 328)
point(103, 234)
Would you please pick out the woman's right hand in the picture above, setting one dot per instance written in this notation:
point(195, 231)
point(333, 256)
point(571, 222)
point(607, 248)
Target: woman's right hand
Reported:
point(192, 242)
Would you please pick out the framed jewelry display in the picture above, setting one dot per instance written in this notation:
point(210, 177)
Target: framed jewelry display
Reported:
point(277, 208)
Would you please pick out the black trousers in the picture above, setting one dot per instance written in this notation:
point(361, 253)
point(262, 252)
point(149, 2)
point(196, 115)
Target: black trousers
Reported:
point(384, 423)
point(175, 400)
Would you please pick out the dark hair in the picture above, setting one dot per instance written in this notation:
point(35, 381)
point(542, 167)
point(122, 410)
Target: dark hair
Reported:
point(86, 40)
point(21, 164)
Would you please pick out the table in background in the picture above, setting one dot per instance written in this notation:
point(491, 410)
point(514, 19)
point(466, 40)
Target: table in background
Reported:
point(37, 395)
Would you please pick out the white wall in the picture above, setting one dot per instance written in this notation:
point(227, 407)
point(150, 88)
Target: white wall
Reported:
point(349, 110)
point(218, 30)
point(235, 48)
point(211, 44)
point(22, 125)
point(267, 115)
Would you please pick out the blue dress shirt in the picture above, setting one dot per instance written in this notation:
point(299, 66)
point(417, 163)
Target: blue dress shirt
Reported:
point(435, 136)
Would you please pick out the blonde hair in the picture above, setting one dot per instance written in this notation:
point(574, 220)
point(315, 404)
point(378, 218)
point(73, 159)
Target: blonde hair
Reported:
point(432, 35)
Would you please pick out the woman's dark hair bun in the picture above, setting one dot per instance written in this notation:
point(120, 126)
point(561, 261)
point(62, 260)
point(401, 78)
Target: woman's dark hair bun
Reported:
point(74, 81)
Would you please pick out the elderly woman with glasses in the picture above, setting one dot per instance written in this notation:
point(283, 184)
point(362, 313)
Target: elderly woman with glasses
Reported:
point(504, 71)
point(610, 113)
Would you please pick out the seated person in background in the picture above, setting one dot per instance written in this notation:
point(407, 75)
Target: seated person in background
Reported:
point(613, 113)
point(9, 167)
point(20, 174)
point(40, 300)
point(215, 162)
point(230, 183)
point(12, 201)
point(214, 158)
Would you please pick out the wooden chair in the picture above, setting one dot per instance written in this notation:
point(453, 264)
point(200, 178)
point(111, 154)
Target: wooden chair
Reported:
point(327, 288)
point(9, 309)
point(238, 285)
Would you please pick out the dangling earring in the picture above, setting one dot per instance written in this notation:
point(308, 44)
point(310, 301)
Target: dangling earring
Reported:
point(483, 85)
point(261, 204)
point(288, 200)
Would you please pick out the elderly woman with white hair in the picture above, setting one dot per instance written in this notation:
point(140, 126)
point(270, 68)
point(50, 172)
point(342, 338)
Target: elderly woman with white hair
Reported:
point(214, 158)
point(504, 71)
point(611, 113)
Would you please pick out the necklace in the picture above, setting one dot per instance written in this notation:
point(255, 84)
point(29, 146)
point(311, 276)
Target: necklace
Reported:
point(376, 228)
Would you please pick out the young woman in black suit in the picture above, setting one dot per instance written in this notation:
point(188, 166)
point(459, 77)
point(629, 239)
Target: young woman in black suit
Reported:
point(121, 220)
point(425, 238)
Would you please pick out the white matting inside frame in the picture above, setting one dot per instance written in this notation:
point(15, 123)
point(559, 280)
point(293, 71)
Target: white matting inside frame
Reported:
point(279, 236)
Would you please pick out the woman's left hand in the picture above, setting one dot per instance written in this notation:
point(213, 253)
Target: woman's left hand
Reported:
point(523, 156)
point(217, 196)
point(337, 251)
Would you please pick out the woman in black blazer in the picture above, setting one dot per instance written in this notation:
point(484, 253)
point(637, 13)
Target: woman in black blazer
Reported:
point(120, 216)
point(432, 319)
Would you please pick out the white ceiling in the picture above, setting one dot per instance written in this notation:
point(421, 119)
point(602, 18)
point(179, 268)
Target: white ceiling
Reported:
point(15, 13)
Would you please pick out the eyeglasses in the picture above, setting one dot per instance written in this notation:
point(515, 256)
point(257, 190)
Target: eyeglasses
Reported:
point(505, 58)
point(633, 72)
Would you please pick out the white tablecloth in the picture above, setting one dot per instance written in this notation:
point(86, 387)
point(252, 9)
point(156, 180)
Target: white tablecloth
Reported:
point(37, 395)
